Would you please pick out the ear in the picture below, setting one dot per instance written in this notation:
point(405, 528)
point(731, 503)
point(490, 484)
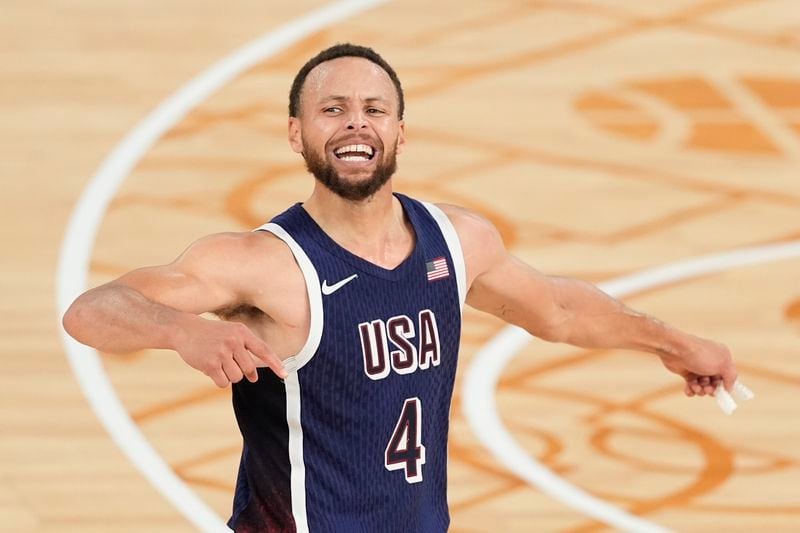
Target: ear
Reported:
point(295, 135)
point(401, 137)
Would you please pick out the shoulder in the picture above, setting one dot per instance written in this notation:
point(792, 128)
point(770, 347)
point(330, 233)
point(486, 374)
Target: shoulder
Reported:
point(241, 259)
point(472, 228)
point(462, 215)
point(238, 246)
point(481, 243)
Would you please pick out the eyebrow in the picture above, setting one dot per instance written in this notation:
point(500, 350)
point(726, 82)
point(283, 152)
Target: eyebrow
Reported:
point(345, 98)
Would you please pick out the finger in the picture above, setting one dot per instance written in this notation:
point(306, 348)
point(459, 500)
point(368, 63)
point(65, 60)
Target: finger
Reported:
point(245, 362)
point(219, 378)
point(232, 370)
point(729, 377)
point(709, 389)
point(687, 390)
point(696, 388)
point(260, 349)
point(702, 382)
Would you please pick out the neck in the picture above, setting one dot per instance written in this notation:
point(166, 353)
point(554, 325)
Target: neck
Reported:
point(374, 229)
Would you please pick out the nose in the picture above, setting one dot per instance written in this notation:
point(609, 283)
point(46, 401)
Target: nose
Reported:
point(357, 120)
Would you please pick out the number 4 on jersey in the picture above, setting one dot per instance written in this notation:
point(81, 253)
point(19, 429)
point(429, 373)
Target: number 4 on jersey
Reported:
point(405, 449)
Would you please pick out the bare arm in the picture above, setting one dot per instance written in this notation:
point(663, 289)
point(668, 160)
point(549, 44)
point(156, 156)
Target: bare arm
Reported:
point(576, 312)
point(157, 307)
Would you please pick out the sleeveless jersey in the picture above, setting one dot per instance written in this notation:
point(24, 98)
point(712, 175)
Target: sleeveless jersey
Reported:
point(355, 438)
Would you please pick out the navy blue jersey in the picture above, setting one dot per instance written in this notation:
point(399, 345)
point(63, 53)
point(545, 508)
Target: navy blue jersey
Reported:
point(355, 438)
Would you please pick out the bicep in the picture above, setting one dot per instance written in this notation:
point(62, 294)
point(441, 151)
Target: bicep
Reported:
point(501, 284)
point(517, 293)
point(197, 281)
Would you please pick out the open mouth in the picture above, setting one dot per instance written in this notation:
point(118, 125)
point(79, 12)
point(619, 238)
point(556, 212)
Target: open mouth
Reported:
point(355, 152)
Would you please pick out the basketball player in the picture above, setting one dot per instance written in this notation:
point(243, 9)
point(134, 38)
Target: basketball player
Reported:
point(342, 316)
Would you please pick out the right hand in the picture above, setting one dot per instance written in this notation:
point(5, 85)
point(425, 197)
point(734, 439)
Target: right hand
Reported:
point(225, 351)
point(703, 364)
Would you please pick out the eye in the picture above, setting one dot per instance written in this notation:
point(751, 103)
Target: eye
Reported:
point(332, 109)
point(374, 111)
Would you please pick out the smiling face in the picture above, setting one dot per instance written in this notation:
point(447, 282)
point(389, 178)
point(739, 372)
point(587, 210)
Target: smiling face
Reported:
point(348, 128)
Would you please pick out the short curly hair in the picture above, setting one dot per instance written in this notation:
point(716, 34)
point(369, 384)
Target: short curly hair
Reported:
point(335, 52)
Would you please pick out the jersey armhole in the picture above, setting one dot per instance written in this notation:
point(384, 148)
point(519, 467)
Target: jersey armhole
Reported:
point(305, 354)
point(454, 245)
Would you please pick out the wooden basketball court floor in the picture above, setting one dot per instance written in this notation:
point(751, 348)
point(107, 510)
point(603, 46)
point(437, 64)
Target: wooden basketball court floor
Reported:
point(602, 137)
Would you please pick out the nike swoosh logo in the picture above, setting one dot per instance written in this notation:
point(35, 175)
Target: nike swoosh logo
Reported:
point(327, 290)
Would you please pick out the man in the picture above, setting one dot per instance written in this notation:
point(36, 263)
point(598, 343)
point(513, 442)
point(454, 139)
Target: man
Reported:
point(343, 314)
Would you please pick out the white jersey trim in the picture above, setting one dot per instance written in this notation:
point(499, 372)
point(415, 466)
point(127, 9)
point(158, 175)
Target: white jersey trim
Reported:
point(454, 245)
point(298, 465)
point(292, 381)
point(305, 354)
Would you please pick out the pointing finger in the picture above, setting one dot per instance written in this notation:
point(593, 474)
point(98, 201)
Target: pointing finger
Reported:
point(260, 349)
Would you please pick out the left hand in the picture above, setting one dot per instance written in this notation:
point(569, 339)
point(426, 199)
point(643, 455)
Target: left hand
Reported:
point(703, 364)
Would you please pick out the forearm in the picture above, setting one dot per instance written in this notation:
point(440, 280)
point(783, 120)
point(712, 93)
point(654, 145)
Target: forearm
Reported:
point(116, 318)
point(592, 319)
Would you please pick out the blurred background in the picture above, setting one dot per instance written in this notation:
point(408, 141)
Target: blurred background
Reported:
point(602, 137)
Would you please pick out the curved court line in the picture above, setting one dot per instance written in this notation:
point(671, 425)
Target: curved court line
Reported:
point(480, 407)
point(84, 223)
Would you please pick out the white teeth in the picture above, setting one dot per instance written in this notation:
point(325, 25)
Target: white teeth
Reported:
point(355, 148)
point(355, 158)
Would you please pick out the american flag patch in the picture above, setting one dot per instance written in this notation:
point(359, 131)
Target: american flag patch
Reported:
point(437, 269)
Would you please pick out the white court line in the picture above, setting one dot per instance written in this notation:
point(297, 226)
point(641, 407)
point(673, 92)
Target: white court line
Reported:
point(480, 407)
point(76, 248)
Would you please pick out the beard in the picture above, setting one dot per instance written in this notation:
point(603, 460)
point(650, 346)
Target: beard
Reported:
point(324, 172)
